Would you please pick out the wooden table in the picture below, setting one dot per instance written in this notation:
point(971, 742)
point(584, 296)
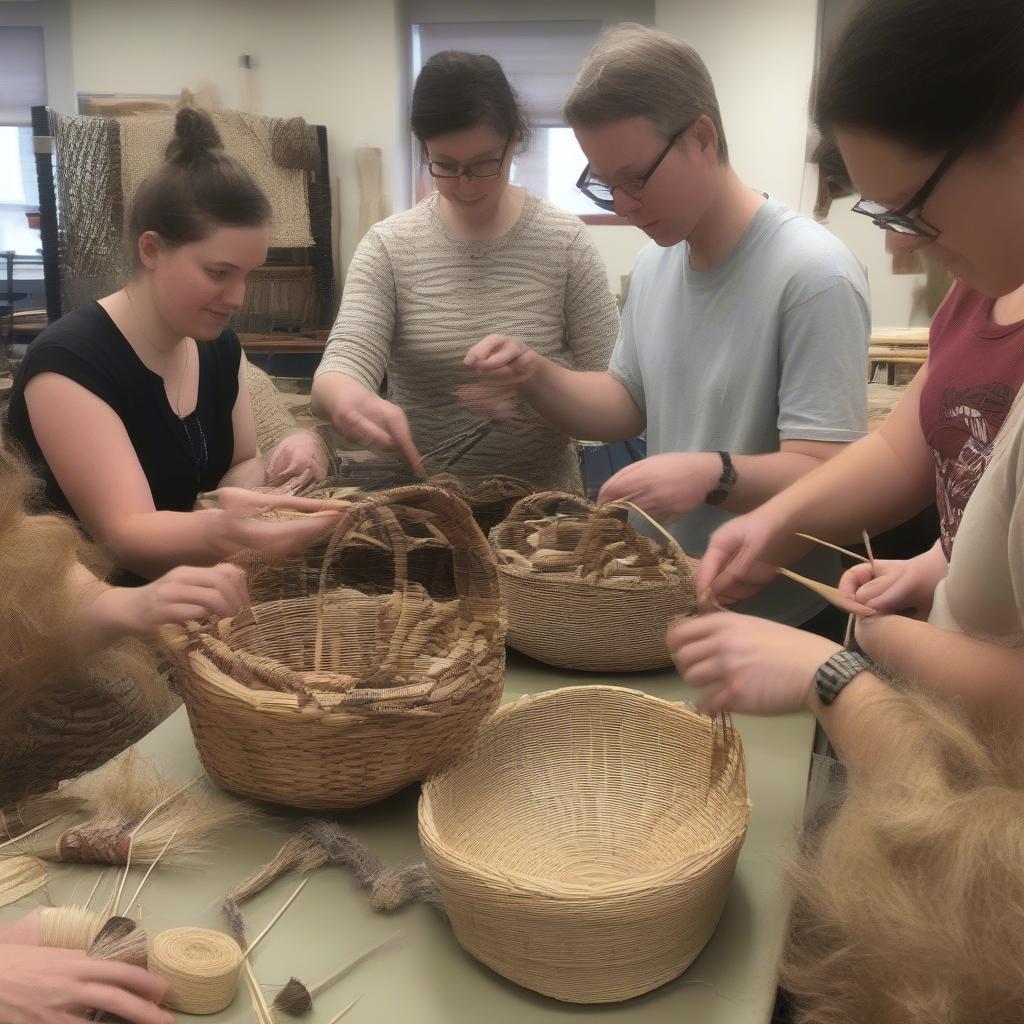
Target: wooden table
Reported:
point(427, 978)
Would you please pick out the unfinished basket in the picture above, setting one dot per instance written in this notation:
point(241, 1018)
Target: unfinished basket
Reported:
point(338, 698)
point(585, 845)
point(584, 589)
point(491, 498)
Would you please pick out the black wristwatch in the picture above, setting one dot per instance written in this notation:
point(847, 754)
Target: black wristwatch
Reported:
point(726, 481)
point(838, 670)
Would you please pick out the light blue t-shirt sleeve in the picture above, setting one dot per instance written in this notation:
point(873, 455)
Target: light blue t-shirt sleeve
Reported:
point(823, 365)
point(625, 363)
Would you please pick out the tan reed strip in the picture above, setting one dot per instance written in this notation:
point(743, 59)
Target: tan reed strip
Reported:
point(277, 917)
point(586, 590)
point(867, 547)
point(203, 968)
point(24, 835)
point(149, 871)
point(834, 547)
point(833, 595)
point(259, 1003)
point(92, 893)
point(606, 872)
point(20, 876)
point(342, 1013)
point(135, 831)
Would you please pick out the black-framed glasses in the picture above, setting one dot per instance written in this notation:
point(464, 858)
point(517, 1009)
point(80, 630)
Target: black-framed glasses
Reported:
point(901, 220)
point(477, 169)
point(604, 195)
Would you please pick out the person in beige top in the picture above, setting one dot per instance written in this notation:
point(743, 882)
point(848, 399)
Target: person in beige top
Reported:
point(478, 257)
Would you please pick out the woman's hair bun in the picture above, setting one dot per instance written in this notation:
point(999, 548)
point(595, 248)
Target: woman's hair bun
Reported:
point(194, 136)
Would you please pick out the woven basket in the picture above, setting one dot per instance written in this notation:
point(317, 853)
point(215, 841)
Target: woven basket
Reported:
point(491, 498)
point(585, 845)
point(339, 698)
point(575, 617)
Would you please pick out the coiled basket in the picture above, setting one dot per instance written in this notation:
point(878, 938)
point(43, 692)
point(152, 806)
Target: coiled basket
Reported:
point(333, 697)
point(585, 845)
point(584, 589)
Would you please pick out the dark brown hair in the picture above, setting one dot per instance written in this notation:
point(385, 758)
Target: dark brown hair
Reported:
point(930, 73)
point(456, 90)
point(197, 189)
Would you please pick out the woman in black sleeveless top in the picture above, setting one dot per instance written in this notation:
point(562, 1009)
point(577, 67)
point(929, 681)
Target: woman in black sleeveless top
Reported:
point(130, 407)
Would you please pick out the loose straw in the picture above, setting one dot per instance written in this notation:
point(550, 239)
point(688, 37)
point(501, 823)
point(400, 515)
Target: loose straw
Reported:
point(203, 968)
point(287, 903)
point(30, 832)
point(334, 1020)
point(135, 831)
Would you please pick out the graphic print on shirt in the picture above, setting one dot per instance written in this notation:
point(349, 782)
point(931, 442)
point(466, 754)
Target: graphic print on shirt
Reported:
point(975, 414)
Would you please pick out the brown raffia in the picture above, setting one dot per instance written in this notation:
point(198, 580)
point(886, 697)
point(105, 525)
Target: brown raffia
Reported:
point(584, 589)
point(584, 847)
point(366, 693)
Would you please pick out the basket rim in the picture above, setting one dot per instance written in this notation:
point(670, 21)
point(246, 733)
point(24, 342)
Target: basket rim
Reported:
point(568, 581)
point(544, 887)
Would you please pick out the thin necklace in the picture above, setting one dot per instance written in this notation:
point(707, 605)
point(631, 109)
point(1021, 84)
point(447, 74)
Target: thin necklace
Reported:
point(145, 338)
point(200, 458)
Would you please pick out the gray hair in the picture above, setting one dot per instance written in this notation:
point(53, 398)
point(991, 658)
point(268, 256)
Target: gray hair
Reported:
point(635, 71)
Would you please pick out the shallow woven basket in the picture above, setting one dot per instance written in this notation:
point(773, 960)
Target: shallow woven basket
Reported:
point(564, 619)
point(340, 698)
point(585, 845)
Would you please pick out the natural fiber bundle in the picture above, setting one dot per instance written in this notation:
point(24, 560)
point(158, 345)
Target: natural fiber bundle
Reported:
point(584, 589)
point(121, 939)
point(20, 876)
point(318, 842)
point(607, 868)
point(30, 812)
point(367, 692)
point(134, 810)
point(60, 714)
point(203, 968)
point(71, 927)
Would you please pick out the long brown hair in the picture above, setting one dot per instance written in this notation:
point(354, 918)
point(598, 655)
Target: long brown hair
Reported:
point(909, 904)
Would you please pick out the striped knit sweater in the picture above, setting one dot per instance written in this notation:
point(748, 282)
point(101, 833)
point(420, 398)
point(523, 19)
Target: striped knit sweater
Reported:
point(417, 299)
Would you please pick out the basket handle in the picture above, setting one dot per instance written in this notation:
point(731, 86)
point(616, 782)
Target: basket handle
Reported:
point(475, 571)
point(673, 545)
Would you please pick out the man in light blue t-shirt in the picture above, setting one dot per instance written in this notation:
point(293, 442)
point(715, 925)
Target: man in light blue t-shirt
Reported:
point(742, 349)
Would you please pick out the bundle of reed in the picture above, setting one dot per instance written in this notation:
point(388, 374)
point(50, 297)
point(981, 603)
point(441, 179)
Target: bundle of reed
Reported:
point(606, 871)
point(20, 876)
point(584, 589)
point(365, 692)
point(36, 811)
point(134, 815)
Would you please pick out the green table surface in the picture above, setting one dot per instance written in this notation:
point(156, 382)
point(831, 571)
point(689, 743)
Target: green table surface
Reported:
point(426, 978)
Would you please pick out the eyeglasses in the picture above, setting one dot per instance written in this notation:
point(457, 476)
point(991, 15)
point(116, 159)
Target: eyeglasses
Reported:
point(604, 195)
point(901, 220)
point(477, 169)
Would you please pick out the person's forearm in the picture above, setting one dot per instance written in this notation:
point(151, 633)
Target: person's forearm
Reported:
point(761, 477)
point(151, 543)
point(865, 487)
point(333, 391)
point(247, 473)
point(588, 405)
point(855, 721)
point(987, 676)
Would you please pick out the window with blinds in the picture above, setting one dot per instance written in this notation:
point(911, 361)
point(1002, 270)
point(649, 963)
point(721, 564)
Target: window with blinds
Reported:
point(22, 86)
point(541, 59)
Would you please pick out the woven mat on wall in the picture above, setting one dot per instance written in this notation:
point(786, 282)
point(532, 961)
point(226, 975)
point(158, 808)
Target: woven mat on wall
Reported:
point(246, 137)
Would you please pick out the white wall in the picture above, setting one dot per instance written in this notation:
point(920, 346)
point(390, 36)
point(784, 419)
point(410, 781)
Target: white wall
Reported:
point(55, 19)
point(342, 63)
point(333, 62)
